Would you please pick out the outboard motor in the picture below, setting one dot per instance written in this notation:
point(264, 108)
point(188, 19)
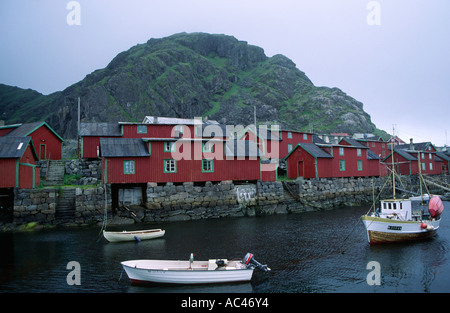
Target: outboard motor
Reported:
point(251, 262)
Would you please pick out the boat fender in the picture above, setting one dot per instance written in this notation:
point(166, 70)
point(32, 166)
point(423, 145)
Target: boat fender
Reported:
point(423, 225)
point(137, 238)
point(430, 227)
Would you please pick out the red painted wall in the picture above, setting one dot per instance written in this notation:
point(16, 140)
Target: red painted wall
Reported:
point(8, 171)
point(151, 169)
point(44, 136)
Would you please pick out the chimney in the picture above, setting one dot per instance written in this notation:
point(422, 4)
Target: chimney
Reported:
point(411, 144)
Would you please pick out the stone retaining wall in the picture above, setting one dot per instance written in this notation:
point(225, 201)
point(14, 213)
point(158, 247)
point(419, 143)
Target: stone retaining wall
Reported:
point(190, 201)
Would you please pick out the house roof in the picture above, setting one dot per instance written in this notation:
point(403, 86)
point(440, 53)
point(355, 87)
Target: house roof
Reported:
point(443, 156)
point(402, 153)
point(123, 147)
point(354, 143)
point(420, 146)
point(312, 149)
point(100, 129)
point(242, 148)
point(372, 156)
point(23, 130)
point(14, 147)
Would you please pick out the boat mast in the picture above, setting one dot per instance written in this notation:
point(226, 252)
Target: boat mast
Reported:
point(393, 166)
point(393, 172)
point(420, 177)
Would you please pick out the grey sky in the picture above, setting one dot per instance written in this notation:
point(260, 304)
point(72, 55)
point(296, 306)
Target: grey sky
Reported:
point(399, 70)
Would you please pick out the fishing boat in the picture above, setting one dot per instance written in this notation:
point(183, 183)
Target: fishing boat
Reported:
point(137, 235)
point(396, 220)
point(192, 272)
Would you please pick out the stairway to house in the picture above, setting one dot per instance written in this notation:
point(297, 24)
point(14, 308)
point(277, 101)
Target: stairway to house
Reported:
point(65, 206)
point(55, 172)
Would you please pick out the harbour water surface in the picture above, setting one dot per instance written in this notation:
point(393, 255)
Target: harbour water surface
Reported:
point(316, 252)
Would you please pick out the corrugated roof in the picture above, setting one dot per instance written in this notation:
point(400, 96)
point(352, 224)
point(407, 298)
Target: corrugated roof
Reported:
point(123, 147)
point(13, 147)
point(100, 129)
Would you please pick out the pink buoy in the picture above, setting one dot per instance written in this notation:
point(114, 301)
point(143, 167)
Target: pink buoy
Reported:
point(423, 225)
point(435, 206)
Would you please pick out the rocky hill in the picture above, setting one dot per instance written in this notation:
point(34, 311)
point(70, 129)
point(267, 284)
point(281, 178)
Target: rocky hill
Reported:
point(189, 75)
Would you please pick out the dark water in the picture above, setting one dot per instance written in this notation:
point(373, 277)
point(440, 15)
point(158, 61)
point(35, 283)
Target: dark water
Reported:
point(304, 251)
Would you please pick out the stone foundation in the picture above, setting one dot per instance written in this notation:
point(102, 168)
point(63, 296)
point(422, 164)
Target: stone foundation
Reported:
point(190, 201)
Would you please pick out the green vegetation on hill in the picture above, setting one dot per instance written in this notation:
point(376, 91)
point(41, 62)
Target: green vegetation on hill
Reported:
point(189, 75)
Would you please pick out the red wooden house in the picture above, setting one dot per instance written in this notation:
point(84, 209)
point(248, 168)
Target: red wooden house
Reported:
point(377, 145)
point(18, 163)
point(348, 159)
point(47, 142)
point(91, 133)
point(407, 158)
point(445, 161)
point(142, 160)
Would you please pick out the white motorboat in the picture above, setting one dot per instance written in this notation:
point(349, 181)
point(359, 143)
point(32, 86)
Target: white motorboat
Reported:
point(396, 220)
point(137, 235)
point(192, 272)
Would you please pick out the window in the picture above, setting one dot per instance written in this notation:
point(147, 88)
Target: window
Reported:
point(169, 146)
point(207, 166)
point(170, 166)
point(358, 152)
point(341, 151)
point(207, 147)
point(289, 147)
point(128, 167)
point(423, 166)
point(289, 135)
point(142, 129)
point(431, 166)
point(359, 165)
point(423, 155)
point(305, 136)
point(429, 156)
point(342, 165)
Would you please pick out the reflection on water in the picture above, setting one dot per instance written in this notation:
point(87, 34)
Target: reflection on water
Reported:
point(310, 252)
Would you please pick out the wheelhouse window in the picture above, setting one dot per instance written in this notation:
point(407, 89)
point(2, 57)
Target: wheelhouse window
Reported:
point(128, 167)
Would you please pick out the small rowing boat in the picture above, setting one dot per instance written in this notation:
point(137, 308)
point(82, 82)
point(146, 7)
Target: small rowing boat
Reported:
point(192, 272)
point(138, 235)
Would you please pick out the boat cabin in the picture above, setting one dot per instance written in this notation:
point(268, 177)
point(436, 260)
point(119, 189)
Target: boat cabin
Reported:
point(397, 209)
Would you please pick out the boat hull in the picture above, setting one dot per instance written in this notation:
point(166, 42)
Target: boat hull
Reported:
point(197, 275)
point(133, 235)
point(384, 230)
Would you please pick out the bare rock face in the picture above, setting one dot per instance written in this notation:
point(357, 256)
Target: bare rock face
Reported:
point(197, 74)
